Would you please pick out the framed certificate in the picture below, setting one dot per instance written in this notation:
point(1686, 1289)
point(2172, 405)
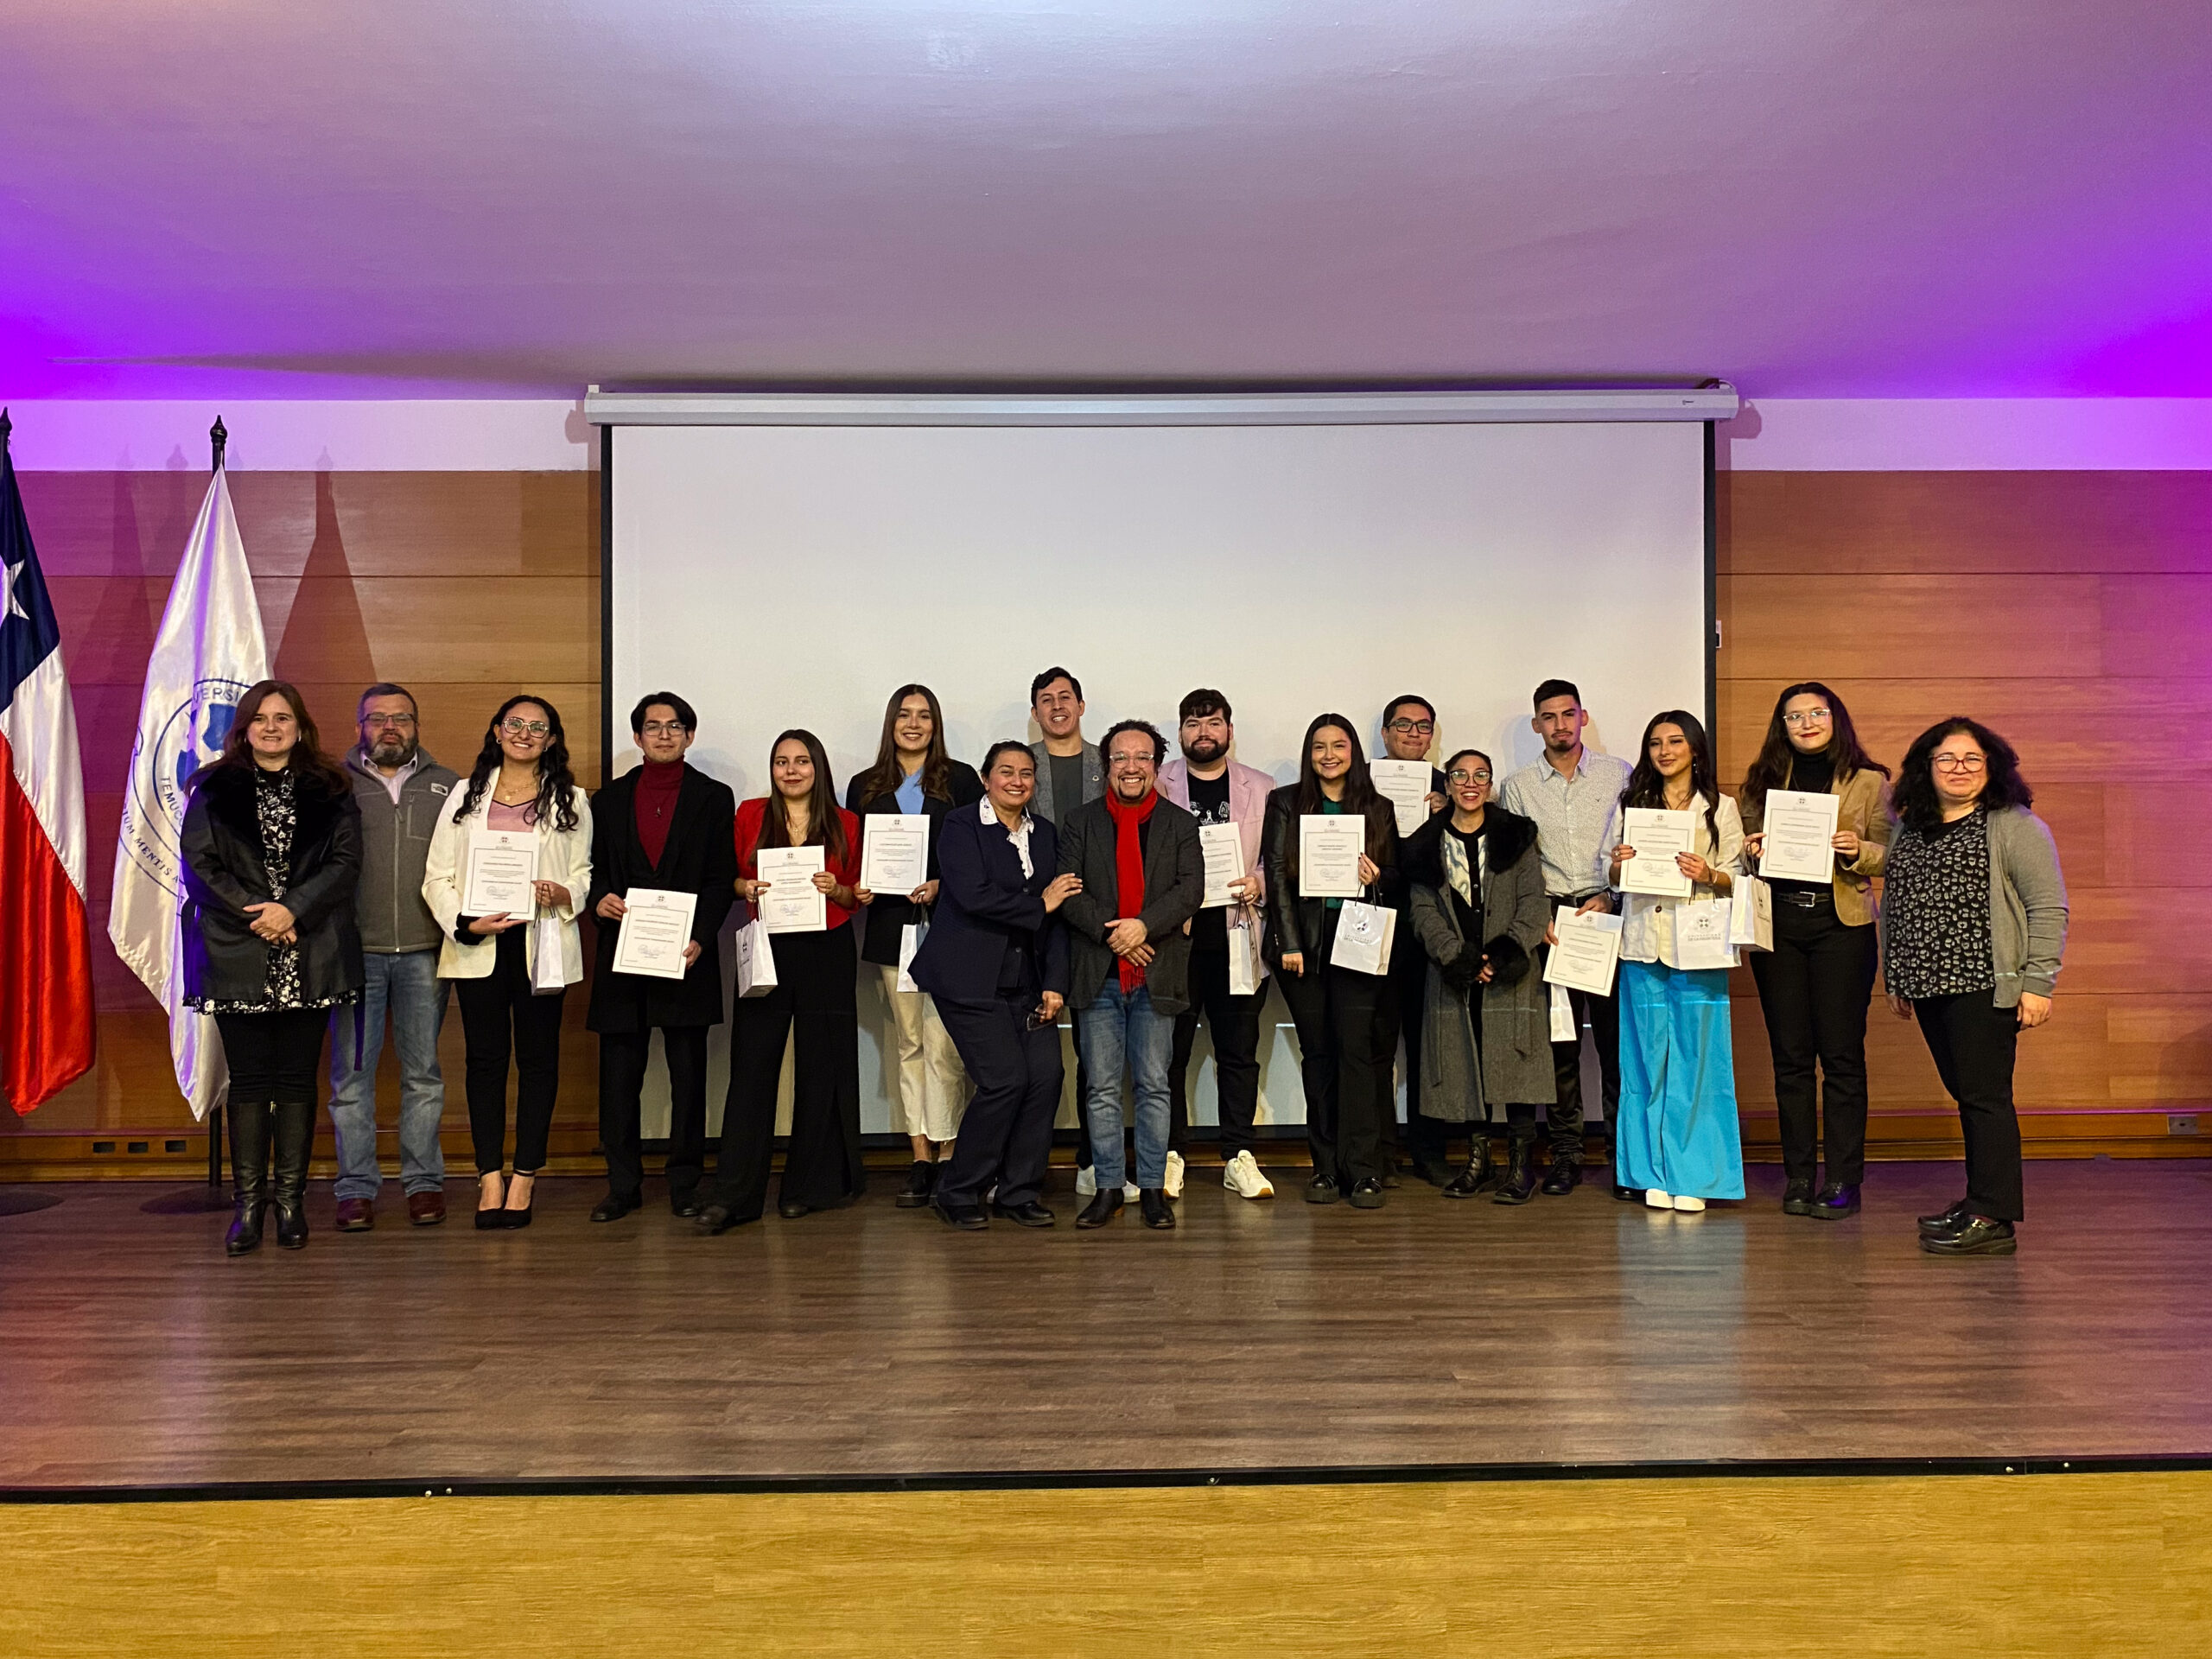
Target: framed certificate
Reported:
point(895, 853)
point(793, 903)
point(1329, 848)
point(1657, 836)
point(502, 864)
point(656, 926)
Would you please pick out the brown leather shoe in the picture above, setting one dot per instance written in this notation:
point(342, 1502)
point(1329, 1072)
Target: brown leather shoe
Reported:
point(426, 1209)
point(356, 1215)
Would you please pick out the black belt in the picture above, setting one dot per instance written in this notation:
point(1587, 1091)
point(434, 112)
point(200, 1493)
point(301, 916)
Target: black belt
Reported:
point(1805, 897)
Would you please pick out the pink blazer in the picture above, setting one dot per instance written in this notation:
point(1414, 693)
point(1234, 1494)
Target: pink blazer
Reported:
point(1248, 788)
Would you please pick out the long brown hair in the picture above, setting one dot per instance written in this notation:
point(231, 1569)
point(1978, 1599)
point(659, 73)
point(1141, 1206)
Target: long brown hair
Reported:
point(1359, 791)
point(308, 759)
point(825, 827)
point(1770, 769)
point(1647, 788)
point(886, 775)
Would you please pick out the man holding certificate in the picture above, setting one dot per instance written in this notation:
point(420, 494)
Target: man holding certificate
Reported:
point(1330, 838)
point(1128, 959)
point(1229, 801)
point(661, 833)
point(1416, 790)
point(798, 864)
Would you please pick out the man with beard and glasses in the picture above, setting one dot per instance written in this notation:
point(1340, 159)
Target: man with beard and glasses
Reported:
point(401, 790)
point(1216, 790)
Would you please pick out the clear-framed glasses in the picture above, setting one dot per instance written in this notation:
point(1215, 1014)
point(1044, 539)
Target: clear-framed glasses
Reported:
point(1805, 717)
point(662, 728)
point(525, 728)
point(1962, 763)
point(397, 722)
point(1414, 728)
point(1462, 776)
point(1141, 758)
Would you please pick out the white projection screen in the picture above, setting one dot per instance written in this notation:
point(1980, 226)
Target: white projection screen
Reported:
point(793, 575)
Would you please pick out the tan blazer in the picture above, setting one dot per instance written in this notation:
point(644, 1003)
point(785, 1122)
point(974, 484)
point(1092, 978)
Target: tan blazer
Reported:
point(1863, 809)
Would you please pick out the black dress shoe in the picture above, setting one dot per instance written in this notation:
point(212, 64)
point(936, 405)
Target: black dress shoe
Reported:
point(686, 1204)
point(1947, 1221)
point(614, 1207)
point(792, 1208)
point(1104, 1205)
point(1797, 1199)
point(1158, 1214)
point(1628, 1194)
point(716, 1219)
point(1564, 1177)
point(1390, 1179)
point(1434, 1171)
point(1367, 1195)
point(1981, 1236)
point(1835, 1201)
point(921, 1182)
point(1321, 1189)
point(968, 1218)
point(1029, 1214)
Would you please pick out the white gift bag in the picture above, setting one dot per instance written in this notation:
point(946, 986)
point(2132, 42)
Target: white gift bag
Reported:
point(1564, 1030)
point(1364, 935)
point(910, 941)
point(1245, 969)
point(1701, 935)
point(756, 960)
point(548, 975)
point(1751, 914)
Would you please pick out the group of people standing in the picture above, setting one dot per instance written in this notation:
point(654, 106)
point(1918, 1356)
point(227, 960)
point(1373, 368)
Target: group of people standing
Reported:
point(1071, 876)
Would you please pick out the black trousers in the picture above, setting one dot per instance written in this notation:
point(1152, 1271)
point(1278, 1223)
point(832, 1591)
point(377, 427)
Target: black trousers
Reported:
point(1338, 1016)
point(1973, 1042)
point(1403, 997)
point(1813, 988)
point(500, 1016)
point(1005, 1136)
point(622, 1058)
point(1234, 1022)
point(1603, 1015)
point(815, 1005)
point(273, 1056)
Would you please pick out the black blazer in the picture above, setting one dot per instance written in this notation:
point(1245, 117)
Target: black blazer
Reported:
point(224, 873)
point(701, 857)
point(889, 916)
point(1174, 886)
point(1304, 925)
point(983, 902)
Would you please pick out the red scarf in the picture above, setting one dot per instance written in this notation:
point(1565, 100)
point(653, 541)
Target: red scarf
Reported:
point(1128, 870)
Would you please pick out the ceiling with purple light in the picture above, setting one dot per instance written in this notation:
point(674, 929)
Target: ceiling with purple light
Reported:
point(1813, 199)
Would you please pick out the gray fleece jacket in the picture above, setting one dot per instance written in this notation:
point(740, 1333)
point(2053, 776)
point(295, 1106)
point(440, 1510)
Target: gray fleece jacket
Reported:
point(395, 846)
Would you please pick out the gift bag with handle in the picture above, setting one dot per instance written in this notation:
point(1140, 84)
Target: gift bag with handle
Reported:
point(756, 960)
point(1364, 933)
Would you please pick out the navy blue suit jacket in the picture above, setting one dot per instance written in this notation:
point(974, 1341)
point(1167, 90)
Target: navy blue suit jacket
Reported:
point(983, 901)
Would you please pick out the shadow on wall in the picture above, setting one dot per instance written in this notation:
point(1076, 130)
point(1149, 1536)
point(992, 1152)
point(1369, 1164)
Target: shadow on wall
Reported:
point(326, 642)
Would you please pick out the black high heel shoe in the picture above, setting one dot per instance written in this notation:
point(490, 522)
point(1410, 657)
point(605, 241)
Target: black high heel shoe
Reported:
point(513, 1219)
point(487, 1221)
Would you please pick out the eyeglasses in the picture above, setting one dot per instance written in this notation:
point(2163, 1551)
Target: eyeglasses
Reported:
point(1468, 777)
point(1806, 717)
point(524, 728)
point(1413, 728)
point(662, 728)
point(1962, 762)
point(377, 723)
point(1144, 760)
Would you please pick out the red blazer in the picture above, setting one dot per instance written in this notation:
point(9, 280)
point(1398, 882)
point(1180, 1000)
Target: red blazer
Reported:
point(750, 816)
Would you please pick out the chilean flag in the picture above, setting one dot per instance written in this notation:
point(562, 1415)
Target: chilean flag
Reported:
point(46, 950)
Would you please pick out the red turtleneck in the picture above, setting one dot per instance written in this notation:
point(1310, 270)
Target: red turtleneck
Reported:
point(659, 785)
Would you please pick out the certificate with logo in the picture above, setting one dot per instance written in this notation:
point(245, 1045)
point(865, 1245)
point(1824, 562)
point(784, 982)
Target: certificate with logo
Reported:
point(792, 903)
point(895, 853)
point(1329, 848)
point(656, 926)
point(502, 866)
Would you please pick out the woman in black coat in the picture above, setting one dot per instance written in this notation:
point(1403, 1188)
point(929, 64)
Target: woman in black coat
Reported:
point(272, 852)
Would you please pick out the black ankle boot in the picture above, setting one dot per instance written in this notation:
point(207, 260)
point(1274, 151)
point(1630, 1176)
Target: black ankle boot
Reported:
point(1479, 1172)
point(1520, 1173)
point(249, 1177)
point(294, 1134)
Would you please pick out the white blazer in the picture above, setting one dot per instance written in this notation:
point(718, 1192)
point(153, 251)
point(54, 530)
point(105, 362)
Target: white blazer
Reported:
point(563, 856)
point(1647, 923)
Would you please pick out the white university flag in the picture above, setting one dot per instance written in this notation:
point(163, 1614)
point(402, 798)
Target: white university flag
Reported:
point(208, 654)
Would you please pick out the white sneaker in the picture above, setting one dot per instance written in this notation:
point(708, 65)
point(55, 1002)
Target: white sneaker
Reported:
point(1692, 1205)
point(1129, 1193)
point(1657, 1199)
point(1173, 1188)
point(1242, 1176)
point(1086, 1182)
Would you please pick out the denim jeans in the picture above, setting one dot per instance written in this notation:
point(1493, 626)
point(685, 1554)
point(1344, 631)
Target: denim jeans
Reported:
point(1115, 1029)
point(409, 987)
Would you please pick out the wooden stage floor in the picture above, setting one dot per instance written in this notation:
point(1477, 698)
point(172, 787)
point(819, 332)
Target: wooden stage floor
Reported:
point(875, 1342)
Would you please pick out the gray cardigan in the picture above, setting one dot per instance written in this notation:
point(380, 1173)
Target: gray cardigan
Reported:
point(2027, 907)
point(1094, 783)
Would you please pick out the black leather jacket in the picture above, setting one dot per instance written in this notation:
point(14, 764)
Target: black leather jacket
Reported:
point(1302, 925)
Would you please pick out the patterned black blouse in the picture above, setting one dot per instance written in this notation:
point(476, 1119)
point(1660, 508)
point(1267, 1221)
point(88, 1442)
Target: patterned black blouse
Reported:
point(275, 796)
point(1936, 905)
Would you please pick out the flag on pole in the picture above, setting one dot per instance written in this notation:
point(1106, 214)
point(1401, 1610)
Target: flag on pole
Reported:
point(46, 945)
point(208, 654)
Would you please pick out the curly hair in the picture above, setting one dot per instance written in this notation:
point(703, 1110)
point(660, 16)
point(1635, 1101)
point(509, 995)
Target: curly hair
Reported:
point(1915, 801)
point(557, 786)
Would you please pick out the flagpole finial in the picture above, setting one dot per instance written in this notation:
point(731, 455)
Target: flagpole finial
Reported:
point(6, 427)
point(218, 437)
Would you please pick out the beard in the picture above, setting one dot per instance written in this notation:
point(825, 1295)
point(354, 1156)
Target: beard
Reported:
point(391, 752)
point(1204, 751)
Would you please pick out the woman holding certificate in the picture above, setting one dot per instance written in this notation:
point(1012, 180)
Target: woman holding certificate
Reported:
point(509, 861)
point(1816, 812)
point(1974, 925)
point(1330, 838)
point(271, 845)
point(901, 802)
point(798, 865)
point(1673, 847)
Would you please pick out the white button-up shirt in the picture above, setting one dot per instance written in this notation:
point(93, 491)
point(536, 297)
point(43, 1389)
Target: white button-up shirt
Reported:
point(1019, 837)
point(1570, 809)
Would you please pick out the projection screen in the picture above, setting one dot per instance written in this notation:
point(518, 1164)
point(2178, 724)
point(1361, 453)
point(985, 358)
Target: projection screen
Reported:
point(794, 575)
